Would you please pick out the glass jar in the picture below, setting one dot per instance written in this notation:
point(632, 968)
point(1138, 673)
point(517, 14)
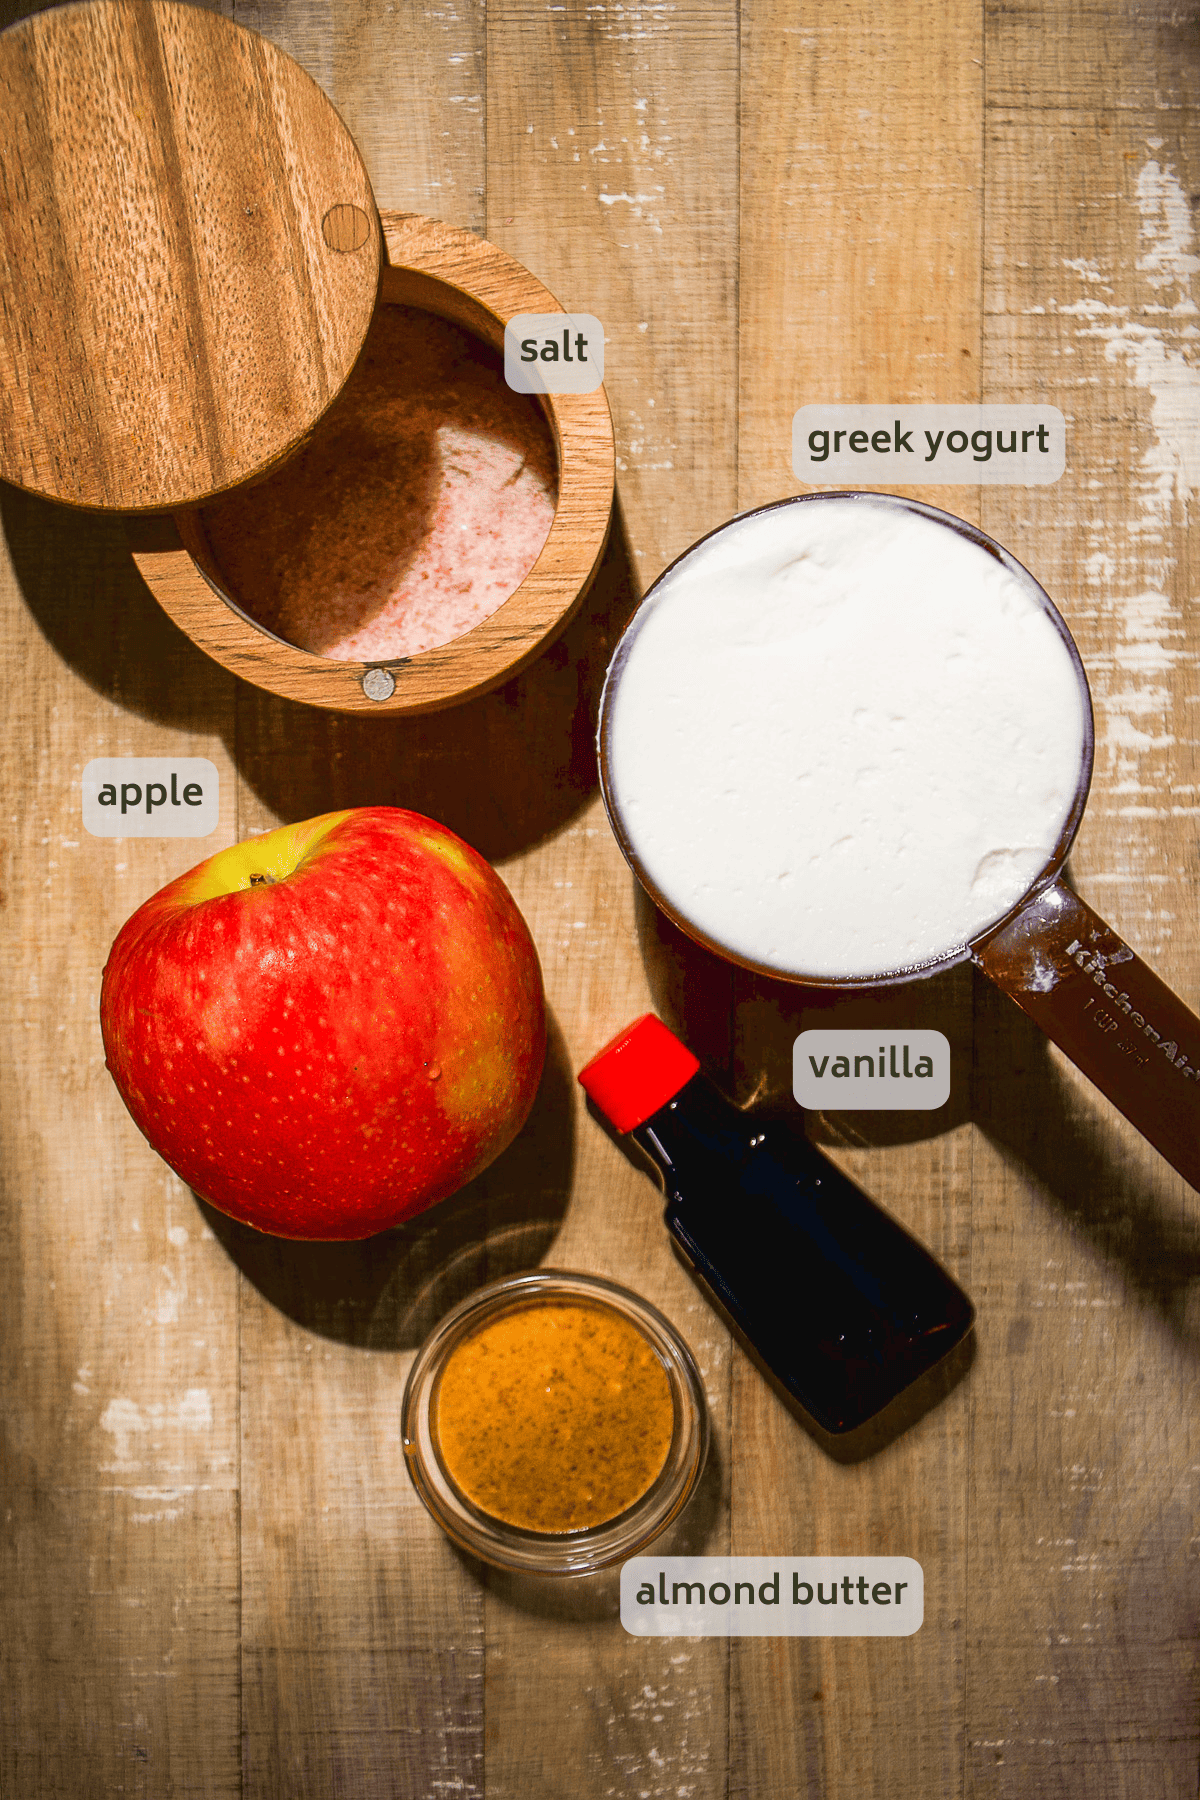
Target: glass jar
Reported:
point(568, 1551)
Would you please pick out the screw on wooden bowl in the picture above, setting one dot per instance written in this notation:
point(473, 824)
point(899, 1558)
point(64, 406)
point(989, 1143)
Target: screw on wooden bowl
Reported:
point(345, 228)
point(379, 684)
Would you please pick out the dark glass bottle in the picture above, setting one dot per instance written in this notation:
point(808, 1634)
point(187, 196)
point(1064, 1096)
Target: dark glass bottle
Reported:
point(845, 1308)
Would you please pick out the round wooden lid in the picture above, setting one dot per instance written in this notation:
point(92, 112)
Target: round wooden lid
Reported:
point(189, 254)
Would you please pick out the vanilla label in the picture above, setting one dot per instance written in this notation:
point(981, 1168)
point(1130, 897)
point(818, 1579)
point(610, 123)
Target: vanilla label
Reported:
point(151, 796)
point(877, 1071)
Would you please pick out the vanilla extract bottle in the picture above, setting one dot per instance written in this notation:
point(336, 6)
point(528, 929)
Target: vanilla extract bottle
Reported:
point(842, 1305)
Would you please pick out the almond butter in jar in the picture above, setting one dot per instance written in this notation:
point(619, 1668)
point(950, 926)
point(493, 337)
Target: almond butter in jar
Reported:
point(554, 1416)
point(555, 1423)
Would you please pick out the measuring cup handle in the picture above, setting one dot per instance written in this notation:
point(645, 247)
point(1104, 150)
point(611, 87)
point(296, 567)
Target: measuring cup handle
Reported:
point(1112, 1015)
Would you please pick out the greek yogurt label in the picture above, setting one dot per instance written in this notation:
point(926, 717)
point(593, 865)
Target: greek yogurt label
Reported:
point(969, 446)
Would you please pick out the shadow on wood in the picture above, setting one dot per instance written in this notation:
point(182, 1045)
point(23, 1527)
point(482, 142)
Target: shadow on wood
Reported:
point(79, 582)
point(504, 771)
point(1110, 1185)
point(742, 1027)
point(770, 1015)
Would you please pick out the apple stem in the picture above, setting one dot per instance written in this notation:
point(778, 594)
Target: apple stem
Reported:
point(258, 880)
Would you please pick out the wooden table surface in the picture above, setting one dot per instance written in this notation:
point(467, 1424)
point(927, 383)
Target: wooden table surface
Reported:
point(217, 1579)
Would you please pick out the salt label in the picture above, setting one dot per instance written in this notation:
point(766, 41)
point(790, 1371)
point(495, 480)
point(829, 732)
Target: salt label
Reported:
point(554, 353)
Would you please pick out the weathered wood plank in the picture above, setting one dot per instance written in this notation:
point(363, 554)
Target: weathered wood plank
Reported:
point(1081, 1646)
point(611, 172)
point(363, 1647)
point(861, 181)
point(120, 1565)
point(409, 82)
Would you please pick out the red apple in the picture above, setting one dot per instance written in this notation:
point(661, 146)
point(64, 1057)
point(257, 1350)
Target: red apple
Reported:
point(328, 1028)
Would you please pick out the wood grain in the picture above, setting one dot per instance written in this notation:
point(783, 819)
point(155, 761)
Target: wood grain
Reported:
point(861, 218)
point(174, 319)
point(363, 1657)
point(611, 171)
point(409, 81)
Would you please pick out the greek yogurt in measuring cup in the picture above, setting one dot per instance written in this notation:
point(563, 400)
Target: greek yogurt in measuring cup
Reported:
point(842, 737)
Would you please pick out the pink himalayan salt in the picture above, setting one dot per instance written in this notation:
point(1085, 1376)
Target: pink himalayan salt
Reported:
point(417, 507)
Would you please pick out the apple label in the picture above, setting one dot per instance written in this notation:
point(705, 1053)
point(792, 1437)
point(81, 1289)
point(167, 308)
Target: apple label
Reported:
point(151, 796)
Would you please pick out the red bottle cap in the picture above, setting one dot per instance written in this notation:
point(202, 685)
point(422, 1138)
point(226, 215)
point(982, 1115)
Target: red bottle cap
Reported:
point(640, 1070)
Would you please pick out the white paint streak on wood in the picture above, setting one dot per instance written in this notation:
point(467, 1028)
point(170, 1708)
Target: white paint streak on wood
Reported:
point(126, 1421)
point(1144, 318)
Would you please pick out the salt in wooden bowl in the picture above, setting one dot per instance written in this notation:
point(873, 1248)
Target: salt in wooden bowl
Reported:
point(439, 270)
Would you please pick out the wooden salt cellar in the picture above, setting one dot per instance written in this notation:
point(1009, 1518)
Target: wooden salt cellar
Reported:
point(441, 270)
point(192, 262)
